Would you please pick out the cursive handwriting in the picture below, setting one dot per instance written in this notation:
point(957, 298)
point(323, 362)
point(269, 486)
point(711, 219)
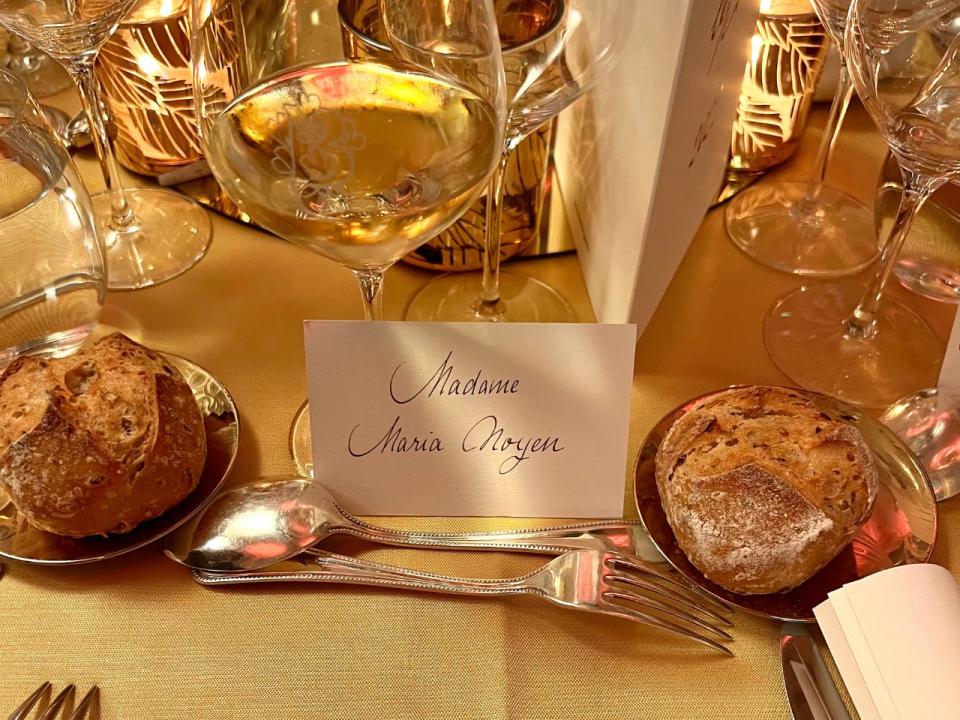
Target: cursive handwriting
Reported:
point(487, 432)
point(442, 382)
point(394, 441)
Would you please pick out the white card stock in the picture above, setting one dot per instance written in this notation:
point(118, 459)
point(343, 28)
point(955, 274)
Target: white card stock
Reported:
point(522, 420)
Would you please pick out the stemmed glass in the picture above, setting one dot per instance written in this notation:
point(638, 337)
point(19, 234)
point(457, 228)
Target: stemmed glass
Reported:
point(809, 228)
point(547, 69)
point(150, 234)
point(51, 263)
point(882, 349)
point(360, 162)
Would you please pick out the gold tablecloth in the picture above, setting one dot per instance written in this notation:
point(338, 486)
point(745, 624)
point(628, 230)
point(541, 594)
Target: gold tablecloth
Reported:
point(162, 647)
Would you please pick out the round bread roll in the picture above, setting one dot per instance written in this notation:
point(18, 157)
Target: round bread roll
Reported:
point(99, 441)
point(762, 489)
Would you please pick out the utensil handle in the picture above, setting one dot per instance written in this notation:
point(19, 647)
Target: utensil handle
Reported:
point(612, 535)
point(352, 571)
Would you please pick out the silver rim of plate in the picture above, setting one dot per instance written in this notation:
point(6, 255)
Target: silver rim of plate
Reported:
point(902, 527)
point(23, 542)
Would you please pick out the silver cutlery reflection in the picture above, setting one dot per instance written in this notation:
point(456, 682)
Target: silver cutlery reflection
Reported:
point(39, 705)
point(256, 525)
point(810, 689)
point(588, 580)
point(75, 131)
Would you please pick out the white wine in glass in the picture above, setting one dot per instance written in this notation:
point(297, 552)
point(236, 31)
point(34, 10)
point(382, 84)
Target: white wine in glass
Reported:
point(360, 175)
point(360, 162)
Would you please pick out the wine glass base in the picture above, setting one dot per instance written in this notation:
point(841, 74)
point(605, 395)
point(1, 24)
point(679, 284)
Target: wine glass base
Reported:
point(805, 338)
point(929, 278)
point(779, 226)
point(171, 234)
point(928, 422)
point(301, 448)
point(456, 298)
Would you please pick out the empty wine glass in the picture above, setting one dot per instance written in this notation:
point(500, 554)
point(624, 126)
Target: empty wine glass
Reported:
point(51, 263)
point(553, 54)
point(809, 228)
point(360, 162)
point(841, 338)
point(150, 234)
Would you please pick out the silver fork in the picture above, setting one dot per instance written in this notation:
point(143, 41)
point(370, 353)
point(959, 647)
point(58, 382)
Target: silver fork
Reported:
point(62, 705)
point(589, 580)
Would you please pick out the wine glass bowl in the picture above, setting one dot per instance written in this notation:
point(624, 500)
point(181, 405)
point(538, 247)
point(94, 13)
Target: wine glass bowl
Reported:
point(310, 167)
point(52, 279)
point(65, 29)
point(359, 161)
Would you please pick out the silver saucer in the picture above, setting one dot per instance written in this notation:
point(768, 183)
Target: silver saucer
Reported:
point(23, 542)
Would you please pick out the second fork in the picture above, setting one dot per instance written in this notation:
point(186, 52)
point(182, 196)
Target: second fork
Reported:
point(587, 580)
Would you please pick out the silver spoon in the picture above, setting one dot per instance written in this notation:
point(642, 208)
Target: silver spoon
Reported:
point(252, 526)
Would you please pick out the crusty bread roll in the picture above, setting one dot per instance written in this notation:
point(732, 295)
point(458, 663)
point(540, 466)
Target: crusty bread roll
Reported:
point(762, 489)
point(99, 441)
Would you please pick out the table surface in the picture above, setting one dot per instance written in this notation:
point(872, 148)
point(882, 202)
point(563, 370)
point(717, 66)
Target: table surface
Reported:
point(162, 647)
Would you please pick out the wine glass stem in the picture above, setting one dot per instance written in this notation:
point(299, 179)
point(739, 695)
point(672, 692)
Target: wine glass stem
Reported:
point(838, 110)
point(121, 215)
point(862, 324)
point(490, 304)
point(371, 282)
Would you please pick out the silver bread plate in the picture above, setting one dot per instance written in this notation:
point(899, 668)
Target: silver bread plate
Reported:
point(23, 542)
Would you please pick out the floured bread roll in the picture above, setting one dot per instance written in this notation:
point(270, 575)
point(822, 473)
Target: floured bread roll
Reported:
point(762, 489)
point(99, 441)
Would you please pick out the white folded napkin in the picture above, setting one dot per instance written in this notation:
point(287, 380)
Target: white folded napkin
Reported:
point(895, 637)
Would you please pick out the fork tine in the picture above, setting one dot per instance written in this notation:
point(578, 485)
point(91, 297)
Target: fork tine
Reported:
point(673, 595)
point(91, 703)
point(673, 612)
point(64, 700)
point(627, 562)
point(41, 695)
point(642, 617)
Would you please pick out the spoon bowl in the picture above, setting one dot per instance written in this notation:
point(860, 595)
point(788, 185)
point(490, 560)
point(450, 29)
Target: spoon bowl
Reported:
point(252, 526)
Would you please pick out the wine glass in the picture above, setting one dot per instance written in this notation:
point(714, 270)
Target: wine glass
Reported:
point(150, 234)
point(51, 262)
point(549, 64)
point(809, 228)
point(842, 338)
point(360, 162)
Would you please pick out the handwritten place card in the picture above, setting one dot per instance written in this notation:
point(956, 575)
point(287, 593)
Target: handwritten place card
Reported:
point(522, 420)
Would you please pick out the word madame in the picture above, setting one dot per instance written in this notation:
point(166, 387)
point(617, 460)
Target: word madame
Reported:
point(443, 382)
